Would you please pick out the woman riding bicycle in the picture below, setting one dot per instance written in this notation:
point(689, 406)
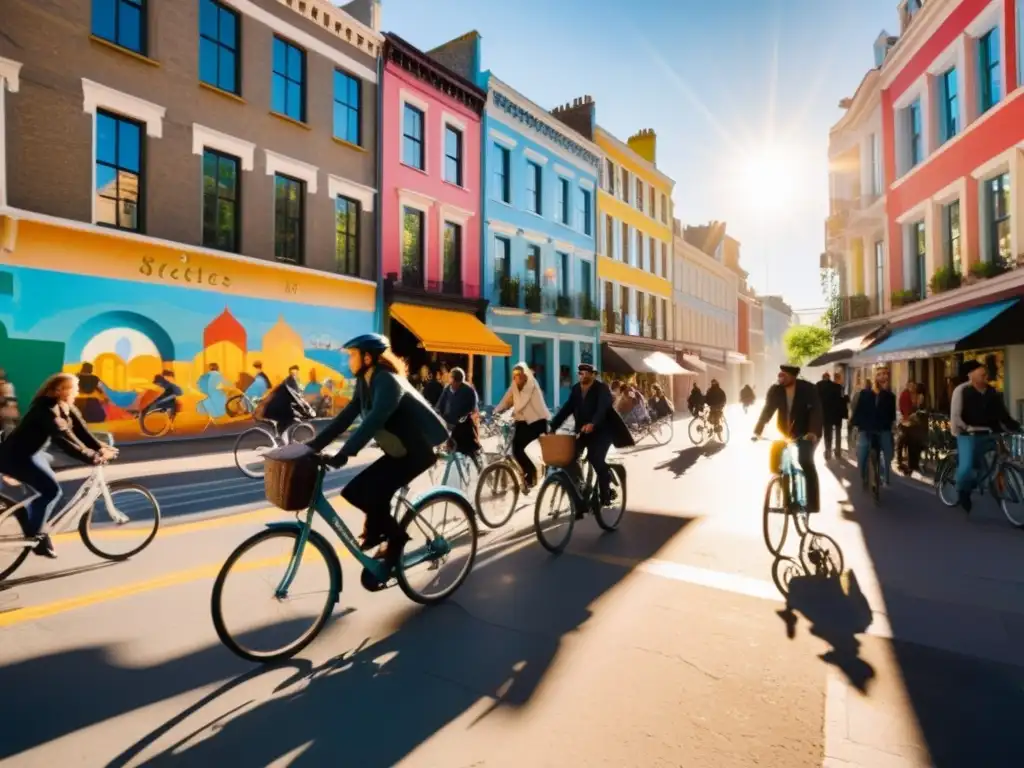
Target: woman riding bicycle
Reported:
point(531, 415)
point(52, 417)
point(405, 427)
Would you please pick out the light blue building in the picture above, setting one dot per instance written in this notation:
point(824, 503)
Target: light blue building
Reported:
point(539, 222)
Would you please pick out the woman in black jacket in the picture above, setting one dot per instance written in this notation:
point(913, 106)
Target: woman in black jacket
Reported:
point(52, 417)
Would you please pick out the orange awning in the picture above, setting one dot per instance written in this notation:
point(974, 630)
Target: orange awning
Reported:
point(450, 331)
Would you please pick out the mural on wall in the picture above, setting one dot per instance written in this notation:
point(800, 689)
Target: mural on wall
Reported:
point(160, 360)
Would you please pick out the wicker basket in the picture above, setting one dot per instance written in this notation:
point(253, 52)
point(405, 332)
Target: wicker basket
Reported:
point(290, 476)
point(558, 450)
point(775, 456)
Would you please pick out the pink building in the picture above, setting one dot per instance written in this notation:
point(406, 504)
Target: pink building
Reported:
point(430, 201)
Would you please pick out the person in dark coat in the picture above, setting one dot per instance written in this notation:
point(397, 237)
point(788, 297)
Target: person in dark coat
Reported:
point(286, 405)
point(433, 387)
point(830, 395)
point(695, 402)
point(597, 425)
point(797, 409)
point(458, 407)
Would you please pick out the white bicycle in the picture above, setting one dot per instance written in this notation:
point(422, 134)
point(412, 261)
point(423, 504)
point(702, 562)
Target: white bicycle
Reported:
point(105, 513)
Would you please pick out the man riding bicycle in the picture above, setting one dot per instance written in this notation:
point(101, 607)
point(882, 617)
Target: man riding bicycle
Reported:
point(874, 417)
point(458, 407)
point(286, 405)
point(715, 399)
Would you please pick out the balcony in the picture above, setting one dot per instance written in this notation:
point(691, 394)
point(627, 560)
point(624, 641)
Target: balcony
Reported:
point(508, 292)
point(857, 307)
point(578, 307)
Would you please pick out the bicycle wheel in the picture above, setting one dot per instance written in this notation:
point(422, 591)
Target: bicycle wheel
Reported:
point(663, 432)
point(300, 432)
point(1010, 486)
point(554, 524)
point(497, 492)
point(696, 431)
point(282, 636)
point(249, 449)
point(155, 423)
point(608, 518)
point(237, 405)
point(12, 553)
point(820, 555)
point(722, 432)
point(784, 570)
point(775, 522)
point(98, 524)
point(449, 540)
point(945, 482)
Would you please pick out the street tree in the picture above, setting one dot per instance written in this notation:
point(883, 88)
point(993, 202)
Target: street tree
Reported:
point(806, 342)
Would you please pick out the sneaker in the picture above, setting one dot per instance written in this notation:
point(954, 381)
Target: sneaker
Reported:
point(45, 547)
point(964, 500)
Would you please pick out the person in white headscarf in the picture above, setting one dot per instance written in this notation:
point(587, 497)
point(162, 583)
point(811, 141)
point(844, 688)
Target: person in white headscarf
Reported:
point(531, 416)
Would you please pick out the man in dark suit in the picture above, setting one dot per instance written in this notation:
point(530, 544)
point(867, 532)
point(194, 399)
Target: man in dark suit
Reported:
point(598, 426)
point(799, 418)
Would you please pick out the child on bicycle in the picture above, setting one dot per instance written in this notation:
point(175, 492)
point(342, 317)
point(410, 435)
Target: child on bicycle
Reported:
point(51, 418)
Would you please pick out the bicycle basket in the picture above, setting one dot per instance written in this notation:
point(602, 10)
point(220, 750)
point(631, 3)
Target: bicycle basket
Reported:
point(558, 450)
point(290, 476)
point(778, 450)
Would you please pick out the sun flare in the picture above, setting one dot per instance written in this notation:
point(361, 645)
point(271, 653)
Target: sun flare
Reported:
point(765, 179)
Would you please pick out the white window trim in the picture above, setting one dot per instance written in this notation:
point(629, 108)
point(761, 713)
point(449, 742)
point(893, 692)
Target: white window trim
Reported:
point(535, 156)
point(534, 237)
point(449, 120)
point(588, 185)
point(407, 97)
point(995, 166)
point(97, 96)
point(455, 215)
point(918, 92)
point(561, 170)
point(991, 16)
point(203, 138)
point(288, 166)
point(339, 187)
point(503, 138)
point(914, 214)
point(10, 74)
point(423, 204)
point(501, 228)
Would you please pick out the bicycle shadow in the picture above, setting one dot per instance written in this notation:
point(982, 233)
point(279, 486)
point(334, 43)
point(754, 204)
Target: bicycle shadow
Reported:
point(685, 459)
point(53, 575)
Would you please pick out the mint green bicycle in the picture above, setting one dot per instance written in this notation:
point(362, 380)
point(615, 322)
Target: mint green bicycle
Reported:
point(433, 564)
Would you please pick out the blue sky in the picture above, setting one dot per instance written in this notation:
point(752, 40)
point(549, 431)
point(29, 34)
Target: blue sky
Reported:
point(729, 86)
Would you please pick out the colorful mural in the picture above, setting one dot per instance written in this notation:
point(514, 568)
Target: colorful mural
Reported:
point(157, 359)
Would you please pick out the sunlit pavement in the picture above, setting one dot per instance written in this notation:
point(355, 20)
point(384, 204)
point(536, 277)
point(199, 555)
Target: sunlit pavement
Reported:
point(664, 644)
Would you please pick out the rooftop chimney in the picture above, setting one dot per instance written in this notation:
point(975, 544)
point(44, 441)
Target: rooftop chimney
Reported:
point(645, 143)
point(579, 114)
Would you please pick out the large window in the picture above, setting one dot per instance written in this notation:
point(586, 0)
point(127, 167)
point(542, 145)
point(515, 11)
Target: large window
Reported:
point(920, 278)
point(452, 258)
point(641, 314)
point(288, 82)
point(951, 219)
point(533, 187)
point(220, 201)
point(876, 164)
point(563, 200)
point(609, 237)
point(664, 209)
point(502, 168)
point(989, 69)
point(122, 22)
point(453, 155)
point(651, 209)
point(625, 185)
point(218, 46)
point(950, 106)
point(412, 247)
point(879, 276)
point(586, 286)
point(563, 274)
point(346, 236)
point(639, 195)
point(998, 205)
point(610, 170)
point(625, 243)
point(502, 260)
point(348, 106)
point(119, 172)
point(288, 218)
point(916, 134)
point(640, 255)
point(412, 137)
point(586, 213)
point(533, 264)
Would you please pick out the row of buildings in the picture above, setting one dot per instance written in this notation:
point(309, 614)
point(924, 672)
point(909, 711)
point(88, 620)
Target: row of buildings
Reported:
point(202, 190)
point(927, 200)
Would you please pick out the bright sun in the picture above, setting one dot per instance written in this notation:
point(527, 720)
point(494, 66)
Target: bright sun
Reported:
point(765, 179)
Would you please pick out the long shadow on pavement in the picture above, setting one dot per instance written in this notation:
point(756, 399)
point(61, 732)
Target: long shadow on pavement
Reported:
point(488, 648)
point(952, 592)
point(684, 460)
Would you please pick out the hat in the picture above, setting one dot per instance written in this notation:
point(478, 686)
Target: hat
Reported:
point(792, 370)
point(586, 367)
point(968, 366)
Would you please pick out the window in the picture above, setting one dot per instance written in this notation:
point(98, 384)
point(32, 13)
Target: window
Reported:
point(876, 164)
point(608, 310)
point(533, 264)
point(563, 274)
point(989, 69)
point(664, 209)
point(998, 205)
point(950, 122)
point(920, 281)
point(288, 82)
point(585, 212)
point(664, 260)
point(346, 236)
point(879, 275)
point(533, 187)
point(625, 243)
point(641, 314)
point(916, 135)
point(639, 195)
point(348, 100)
point(611, 176)
point(625, 185)
point(586, 284)
point(623, 327)
point(502, 181)
point(412, 247)
point(651, 208)
point(218, 46)
point(609, 237)
point(412, 137)
point(122, 22)
point(119, 179)
point(951, 218)
point(662, 317)
point(639, 250)
point(452, 258)
point(502, 259)
point(453, 155)
point(220, 201)
point(652, 257)
point(563, 200)
point(288, 216)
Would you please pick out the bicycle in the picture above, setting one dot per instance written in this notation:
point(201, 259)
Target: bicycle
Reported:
point(1004, 480)
point(376, 575)
point(463, 465)
point(260, 439)
point(786, 495)
point(661, 428)
point(583, 495)
point(500, 477)
point(701, 428)
point(81, 510)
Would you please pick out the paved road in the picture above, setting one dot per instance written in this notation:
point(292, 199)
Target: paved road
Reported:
point(664, 644)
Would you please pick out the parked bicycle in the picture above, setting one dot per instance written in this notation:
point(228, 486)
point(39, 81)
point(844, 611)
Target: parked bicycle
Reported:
point(559, 487)
point(106, 513)
point(253, 444)
point(417, 572)
point(1003, 479)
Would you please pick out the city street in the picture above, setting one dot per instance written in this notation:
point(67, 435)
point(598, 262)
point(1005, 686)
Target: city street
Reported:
point(663, 644)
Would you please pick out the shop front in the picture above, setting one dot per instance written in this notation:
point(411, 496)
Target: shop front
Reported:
point(169, 340)
point(642, 366)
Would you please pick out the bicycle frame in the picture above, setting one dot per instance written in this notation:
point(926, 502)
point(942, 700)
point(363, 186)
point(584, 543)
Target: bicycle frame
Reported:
point(795, 485)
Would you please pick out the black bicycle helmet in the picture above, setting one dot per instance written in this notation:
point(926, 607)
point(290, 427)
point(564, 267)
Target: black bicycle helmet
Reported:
point(374, 343)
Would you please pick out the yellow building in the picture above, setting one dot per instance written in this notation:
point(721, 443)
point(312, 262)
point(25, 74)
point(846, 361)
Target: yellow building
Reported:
point(634, 263)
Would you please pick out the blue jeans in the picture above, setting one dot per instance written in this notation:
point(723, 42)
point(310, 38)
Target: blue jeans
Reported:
point(970, 451)
point(864, 448)
point(36, 472)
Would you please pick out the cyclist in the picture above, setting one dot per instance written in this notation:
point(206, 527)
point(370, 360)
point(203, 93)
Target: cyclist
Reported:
point(799, 418)
point(52, 417)
point(976, 407)
point(695, 402)
point(531, 415)
point(874, 417)
point(715, 399)
point(401, 422)
point(661, 407)
point(286, 405)
point(747, 396)
point(458, 407)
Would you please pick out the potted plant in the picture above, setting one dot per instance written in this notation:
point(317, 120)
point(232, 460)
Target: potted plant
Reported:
point(903, 298)
point(533, 297)
point(945, 279)
point(509, 292)
point(860, 306)
point(983, 270)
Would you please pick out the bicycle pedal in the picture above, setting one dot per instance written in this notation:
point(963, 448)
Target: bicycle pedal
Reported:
point(371, 583)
